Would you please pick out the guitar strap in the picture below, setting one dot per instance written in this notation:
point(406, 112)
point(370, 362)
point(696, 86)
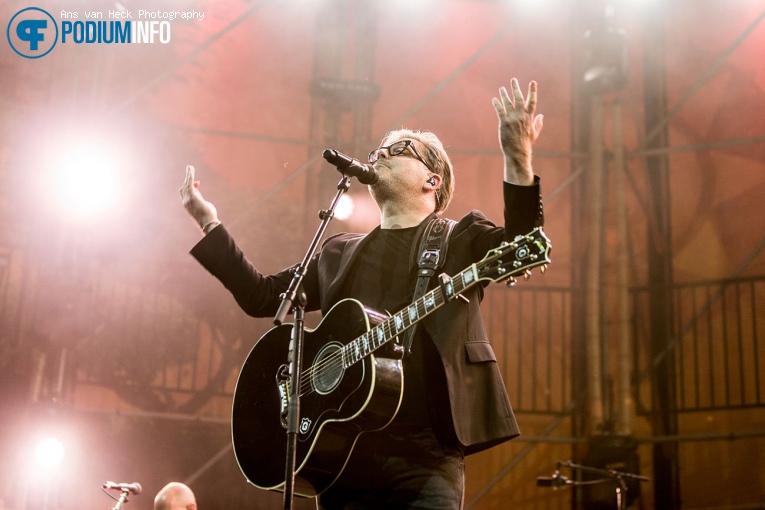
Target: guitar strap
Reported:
point(430, 257)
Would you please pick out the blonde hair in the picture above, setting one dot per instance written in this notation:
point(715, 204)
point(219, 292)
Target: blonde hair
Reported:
point(437, 160)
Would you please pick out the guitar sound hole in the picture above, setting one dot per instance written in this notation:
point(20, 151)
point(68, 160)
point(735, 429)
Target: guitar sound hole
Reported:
point(327, 368)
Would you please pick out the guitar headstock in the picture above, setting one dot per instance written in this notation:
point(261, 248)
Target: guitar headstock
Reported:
point(516, 257)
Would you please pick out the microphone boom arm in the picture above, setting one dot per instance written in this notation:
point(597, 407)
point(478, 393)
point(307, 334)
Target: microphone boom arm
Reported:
point(557, 480)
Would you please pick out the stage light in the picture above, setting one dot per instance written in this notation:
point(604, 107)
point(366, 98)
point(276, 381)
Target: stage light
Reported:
point(605, 56)
point(345, 207)
point(85, 180)
point(364, 216)
point(49, 453)
point(80, 178)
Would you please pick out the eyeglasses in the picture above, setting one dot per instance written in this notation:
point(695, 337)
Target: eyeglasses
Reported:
point(396, 149)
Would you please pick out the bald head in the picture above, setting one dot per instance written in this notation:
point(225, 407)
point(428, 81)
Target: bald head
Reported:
point(175, 496)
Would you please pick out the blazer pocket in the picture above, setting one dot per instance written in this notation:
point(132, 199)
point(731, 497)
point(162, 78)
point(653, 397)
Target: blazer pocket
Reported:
point(479, 352)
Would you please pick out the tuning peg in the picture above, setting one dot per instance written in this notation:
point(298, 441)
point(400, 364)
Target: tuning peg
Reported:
point(511, 282)
point(527, 274)
point(543, 268)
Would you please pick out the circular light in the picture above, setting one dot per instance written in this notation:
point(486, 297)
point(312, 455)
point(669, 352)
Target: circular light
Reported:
point(344, 208)
point(49, 453)
point(86, 181)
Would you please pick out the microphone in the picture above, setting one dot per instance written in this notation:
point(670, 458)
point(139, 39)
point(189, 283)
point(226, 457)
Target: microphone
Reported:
point(133, 488)
point(366, 174)
point(555, 481)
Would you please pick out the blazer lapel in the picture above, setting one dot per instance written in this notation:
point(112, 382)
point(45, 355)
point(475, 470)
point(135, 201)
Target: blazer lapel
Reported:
point(351, 250)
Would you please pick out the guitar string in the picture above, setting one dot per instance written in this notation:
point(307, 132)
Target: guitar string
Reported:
point(334, 362)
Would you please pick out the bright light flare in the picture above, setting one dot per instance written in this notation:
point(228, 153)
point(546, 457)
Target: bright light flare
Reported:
point(345, 207)
point(80, 178)
point(365, 214)
point(49, 453)
point(85, 180)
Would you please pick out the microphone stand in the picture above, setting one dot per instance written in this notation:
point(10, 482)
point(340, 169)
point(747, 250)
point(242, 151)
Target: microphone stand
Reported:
point(609, 474)
point(123, 499)
point(291, 299)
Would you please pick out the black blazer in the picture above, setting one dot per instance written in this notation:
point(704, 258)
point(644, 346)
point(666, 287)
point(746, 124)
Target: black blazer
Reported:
point(480, 409)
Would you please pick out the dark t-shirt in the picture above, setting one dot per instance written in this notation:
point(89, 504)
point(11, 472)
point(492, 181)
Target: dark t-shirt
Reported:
point(380, 279)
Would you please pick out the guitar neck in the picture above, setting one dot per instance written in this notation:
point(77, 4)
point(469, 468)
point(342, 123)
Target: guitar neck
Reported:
point(501, 263)
point(398, 323)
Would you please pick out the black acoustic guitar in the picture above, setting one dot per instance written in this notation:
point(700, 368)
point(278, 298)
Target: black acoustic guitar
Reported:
point(352, 378)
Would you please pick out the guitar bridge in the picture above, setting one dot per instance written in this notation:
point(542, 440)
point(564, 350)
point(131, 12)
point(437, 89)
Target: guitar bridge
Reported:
point(283, 385)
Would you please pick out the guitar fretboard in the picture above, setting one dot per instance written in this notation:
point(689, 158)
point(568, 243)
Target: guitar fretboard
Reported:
point(506, 261)
point(398, 323)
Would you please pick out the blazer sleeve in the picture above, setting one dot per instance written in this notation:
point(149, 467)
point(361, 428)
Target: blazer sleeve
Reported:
point(257, 294)
point(523, 208)
point(523, 212)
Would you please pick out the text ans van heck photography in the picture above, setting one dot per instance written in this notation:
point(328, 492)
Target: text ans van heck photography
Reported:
point(96, 30)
